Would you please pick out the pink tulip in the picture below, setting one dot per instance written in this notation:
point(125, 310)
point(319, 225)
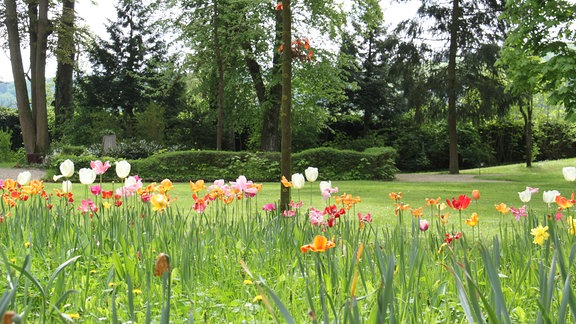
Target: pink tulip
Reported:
point(95, 190)
point(424, 224)
point(99, 167)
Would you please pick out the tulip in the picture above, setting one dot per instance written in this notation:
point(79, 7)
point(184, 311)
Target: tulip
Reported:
point(122, 169)
point(475, 194)
point(311, 174)
point(24, 178)
point(67, 168)
point(298, 181)
point(550, 196)
point(424, 224)
point(569, 173)
point(66, 186)
point(87, 176)
point(324, 185)
point(99, 167)
point(525, 195)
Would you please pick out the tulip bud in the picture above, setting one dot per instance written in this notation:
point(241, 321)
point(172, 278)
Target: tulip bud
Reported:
point(66, 186)
point(87, 176)
point(122, 169)
point(24, 178)
point(476, 194)
point(424, 224)
point(311, 174)
point(162, 264)
point(298, 181)
point(569, 173)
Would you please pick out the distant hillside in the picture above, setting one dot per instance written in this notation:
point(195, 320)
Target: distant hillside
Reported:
point(7, 95)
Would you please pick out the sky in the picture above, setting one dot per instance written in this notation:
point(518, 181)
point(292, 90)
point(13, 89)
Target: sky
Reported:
point(95, 14)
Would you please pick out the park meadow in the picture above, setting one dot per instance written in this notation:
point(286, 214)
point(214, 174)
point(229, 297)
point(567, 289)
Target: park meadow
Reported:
point(500, 250)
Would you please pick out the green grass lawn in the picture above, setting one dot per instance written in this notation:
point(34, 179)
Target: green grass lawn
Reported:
point(511, 179)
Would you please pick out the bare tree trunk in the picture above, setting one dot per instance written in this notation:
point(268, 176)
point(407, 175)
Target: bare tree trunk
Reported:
point(65, 54)
point(22, 101)
point(286, 147)
point(40, 107)
point(452, 134)
point(220, 95)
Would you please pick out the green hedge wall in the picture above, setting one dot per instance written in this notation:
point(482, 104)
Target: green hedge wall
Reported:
point(333, 164)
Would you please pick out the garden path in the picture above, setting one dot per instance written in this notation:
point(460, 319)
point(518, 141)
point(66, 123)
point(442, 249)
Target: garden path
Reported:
point(12, 173)
point(425, 177)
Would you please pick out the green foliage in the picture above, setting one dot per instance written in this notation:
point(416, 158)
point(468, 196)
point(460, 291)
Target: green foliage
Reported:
point(6, 153)
point(556, 139)
point(9, 121)
point(377, 164)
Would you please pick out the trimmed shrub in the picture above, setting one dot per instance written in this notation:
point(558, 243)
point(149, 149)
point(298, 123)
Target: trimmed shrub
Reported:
point(375, 164)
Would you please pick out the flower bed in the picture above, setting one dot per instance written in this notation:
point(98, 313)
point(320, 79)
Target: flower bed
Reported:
point(124, 252)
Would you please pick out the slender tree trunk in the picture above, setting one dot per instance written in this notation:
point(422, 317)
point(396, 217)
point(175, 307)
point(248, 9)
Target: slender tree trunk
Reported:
point(527, 116)
point(220, 95)
point(269, 138)
point(24, 113)
point(66, 53)
point(452, 134)
point(40, 107)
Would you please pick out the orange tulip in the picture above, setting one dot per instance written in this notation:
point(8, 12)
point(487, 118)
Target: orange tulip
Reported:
point(320, 244)
point(476, 194)
point(564, 202)
point(502, 208)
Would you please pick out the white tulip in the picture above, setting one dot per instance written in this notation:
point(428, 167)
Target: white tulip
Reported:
point(66, 186)
point(122, 169)
point(298, 181)
point(325, 185)
point(24, 178)
point(525, 195)
point(550, 196)
point(66, 170)
point(569, 173)
point(311, 174)
point(87, 176)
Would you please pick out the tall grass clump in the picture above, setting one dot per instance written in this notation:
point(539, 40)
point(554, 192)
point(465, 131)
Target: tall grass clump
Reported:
point(125, 251)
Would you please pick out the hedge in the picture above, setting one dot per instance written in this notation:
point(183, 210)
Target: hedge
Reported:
point(333, 164)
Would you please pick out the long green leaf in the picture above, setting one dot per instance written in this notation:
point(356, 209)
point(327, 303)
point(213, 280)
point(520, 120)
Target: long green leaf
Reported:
point(283, 310)
point(60, 268)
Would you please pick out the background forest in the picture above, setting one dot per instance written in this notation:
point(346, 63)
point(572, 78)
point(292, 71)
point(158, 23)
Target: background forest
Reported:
point(462, 84)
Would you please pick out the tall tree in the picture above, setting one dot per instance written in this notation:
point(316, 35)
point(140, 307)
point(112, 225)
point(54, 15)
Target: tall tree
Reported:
point(464, 24)
point(539, 55)
point(127, 69)
point(65, 55)
point(33, 118)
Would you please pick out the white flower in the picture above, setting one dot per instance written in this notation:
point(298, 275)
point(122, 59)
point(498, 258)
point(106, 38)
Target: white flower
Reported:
point(298, 181)
point(66, 170)
point(87, 176)
point(311, 174)
point(66, 186)
point(24, 178)
point(325, 185)
point(525, 195)
point(569, 173)
point(550, 196)
point(122, 169)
